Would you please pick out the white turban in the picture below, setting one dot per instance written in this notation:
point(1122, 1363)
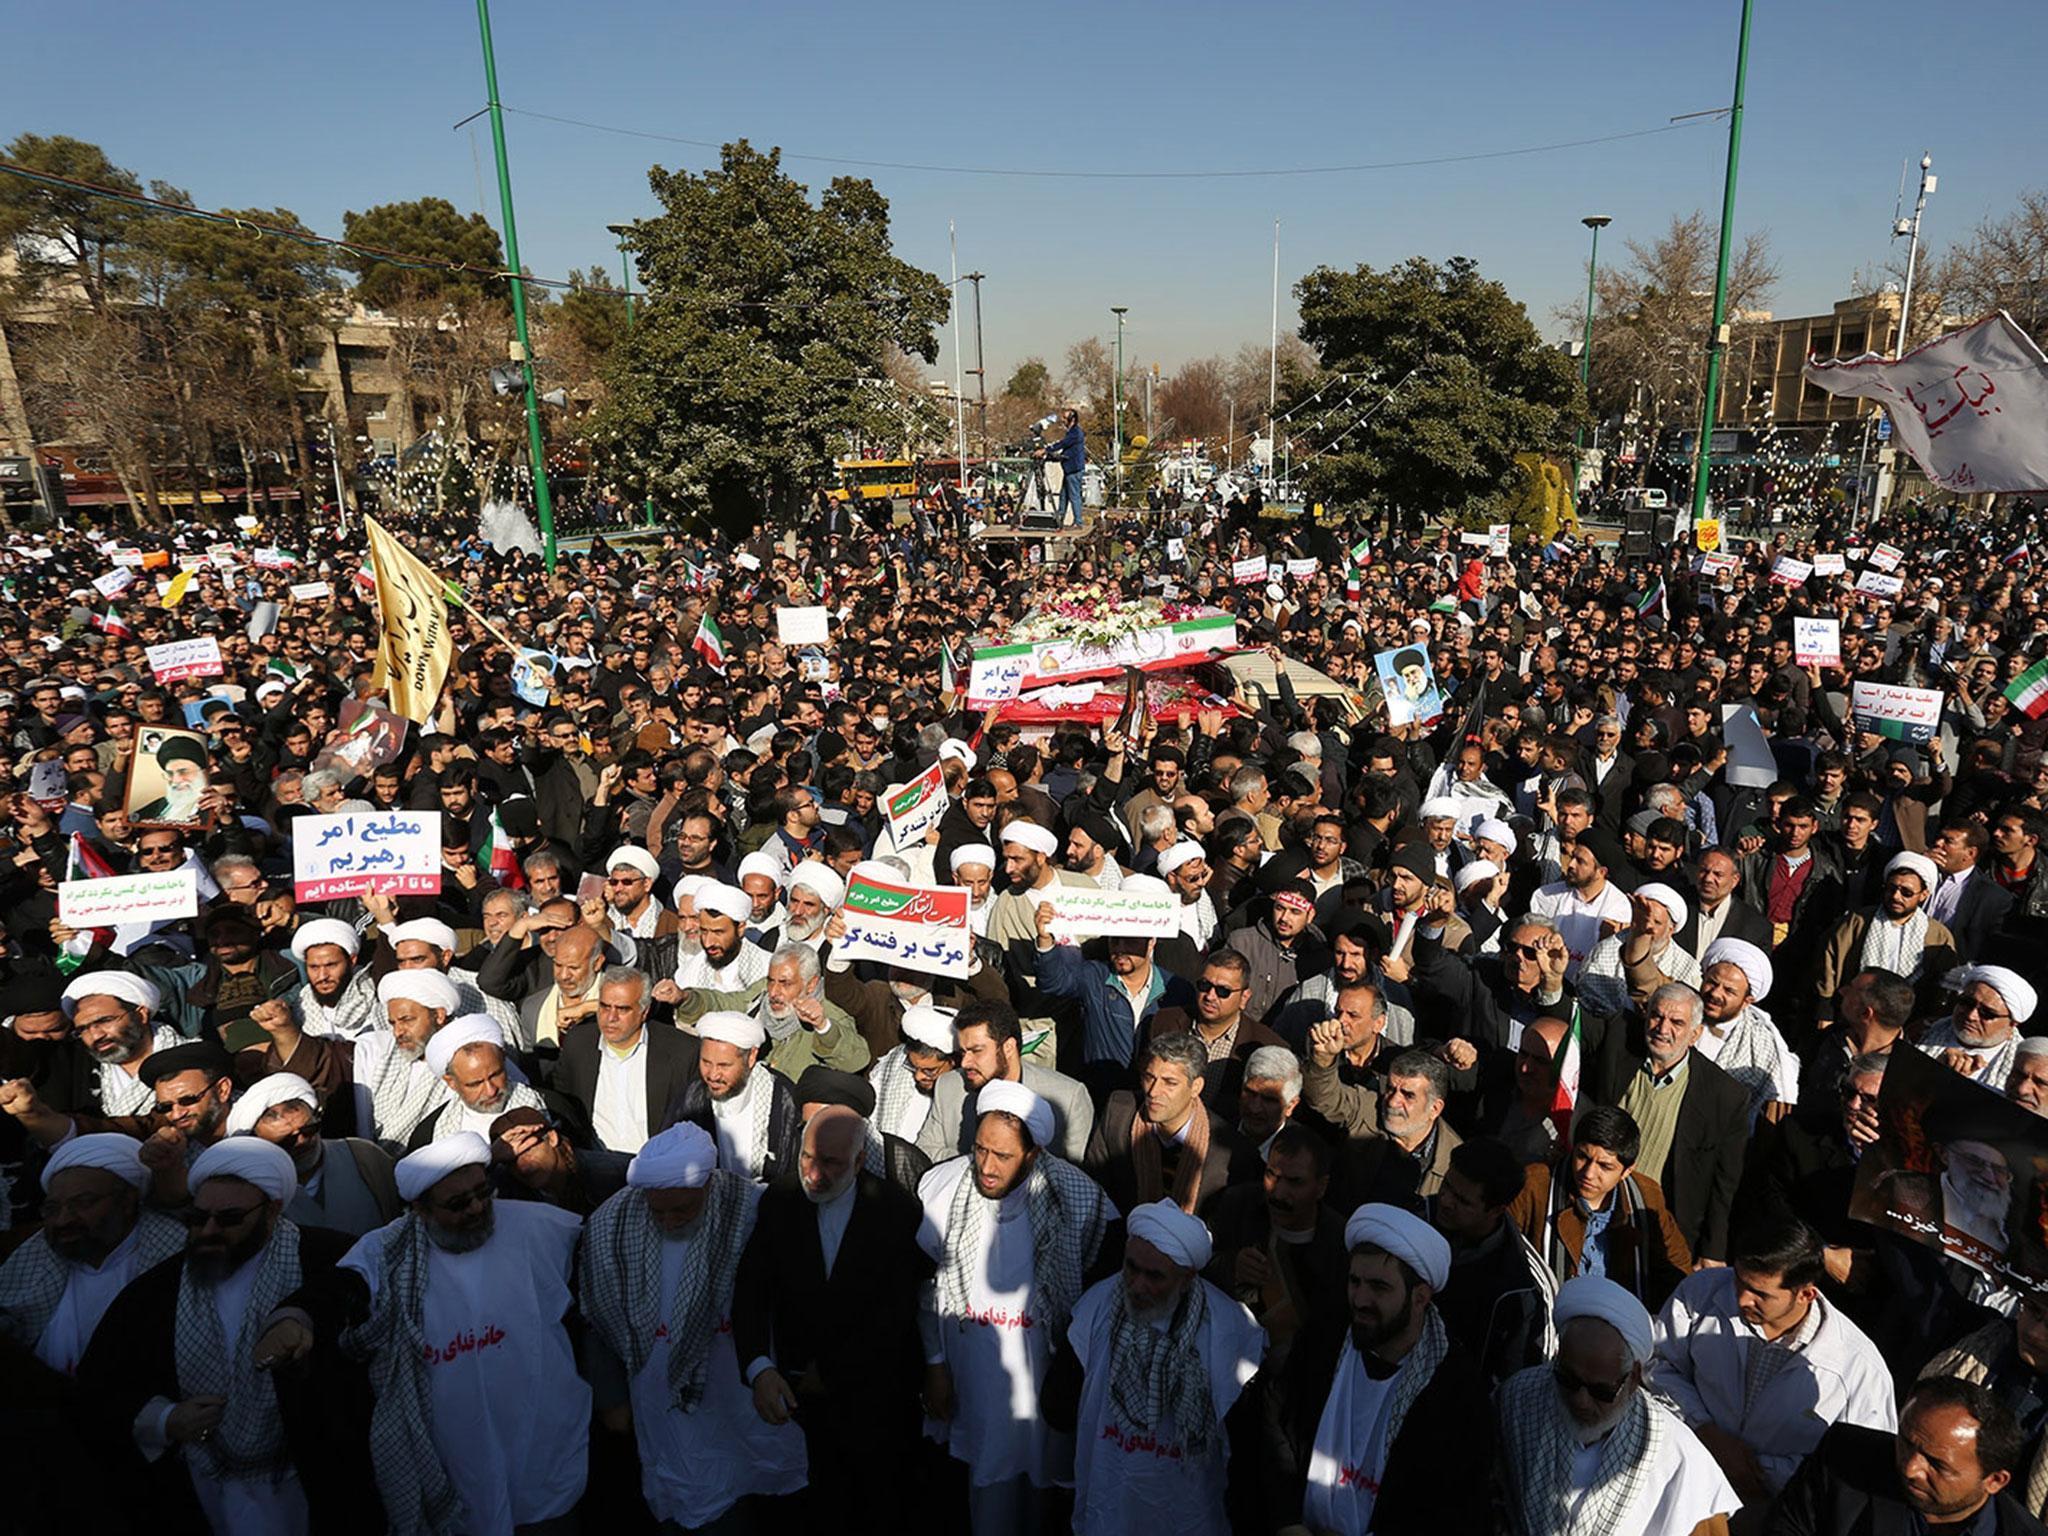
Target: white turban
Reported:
point(1177, 855)
point(420, 1171)
point(250, 1159)
point(1408, 1238)
point(326, 930)
point(1597, 1297)
point(1471, 874)
point(1146, 885)
point(681, 1157)
point(930, 1027)
point(1015, 1099)
point(1668, 899)
point(1494, 830)
point(126, 985)
point(974, 853)
point(1745, 957)
point(267, 1093)
point(762, 864)
point(2017, 991)
point(1920, 864)
point(427, 930)
point(430, 989)
point(953, 746)
point(686, 889)
point(107, 1151)
point(722, 900)
point(1442, 808)
point(741, 1030)
point(1180, 1237)
point(633, 858)
point(820, 881)
point(469, 1029)
point(1029, 834)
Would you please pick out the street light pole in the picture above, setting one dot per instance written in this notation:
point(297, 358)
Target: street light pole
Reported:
point(1595, 222)
point(619, 232)
point(980, 363)
point(1911, 229)
point(1117, 393)
point(543, 504)
point(1717, 341)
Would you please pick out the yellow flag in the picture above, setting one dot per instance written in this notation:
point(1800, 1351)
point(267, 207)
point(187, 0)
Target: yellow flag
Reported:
point(174, 593)
point(413, 650)
point(1706, 535)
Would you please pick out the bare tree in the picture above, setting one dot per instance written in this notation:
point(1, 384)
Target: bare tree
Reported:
point(91, 377)
point(2003, 265)
point(1195, 398)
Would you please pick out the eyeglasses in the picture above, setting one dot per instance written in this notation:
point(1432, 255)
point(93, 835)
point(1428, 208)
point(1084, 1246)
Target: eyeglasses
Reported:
point(1965, 1006)
point(1600, 1391)
point(226, 1220)
point(1217, 987)
point(454, 1205)
point(57, 1210)
point(1525, 951)
point(164, 1107)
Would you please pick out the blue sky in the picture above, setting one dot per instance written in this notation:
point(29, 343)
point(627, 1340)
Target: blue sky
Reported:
point(327, 107)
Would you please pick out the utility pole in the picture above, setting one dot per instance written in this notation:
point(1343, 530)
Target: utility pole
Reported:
point(959, 400)
point(980, 363)
point(619, 232)
point(1117, 391)
point(543, 504)
point(1909, 228)
point(1717, 341)
point(1595, 222)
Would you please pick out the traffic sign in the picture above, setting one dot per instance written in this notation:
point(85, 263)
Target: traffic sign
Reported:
point(1884, 427)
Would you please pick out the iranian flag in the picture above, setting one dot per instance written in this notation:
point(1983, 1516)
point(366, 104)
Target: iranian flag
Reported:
point(83, 862)
point(1564, 1071)
point(2029, 691)
point(1653, 597)
point(949, 678)
point(497, 859)
point(111, 623)
point(710, 644)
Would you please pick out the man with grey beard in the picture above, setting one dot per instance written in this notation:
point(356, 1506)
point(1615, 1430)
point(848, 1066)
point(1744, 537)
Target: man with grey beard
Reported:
point(1584, 1448)
point(804, 1030)
point(455, 1437)
point(172, 1359)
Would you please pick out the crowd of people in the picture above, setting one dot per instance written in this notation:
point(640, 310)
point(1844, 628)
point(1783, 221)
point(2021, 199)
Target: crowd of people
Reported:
point(1476, 1154)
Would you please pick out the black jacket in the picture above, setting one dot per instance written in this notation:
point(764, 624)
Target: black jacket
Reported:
point(1850, 1486)
point(1744, 922)
point(1429, 1486)
point(1496, 1305)
point(1704, 1167)
point(785, 1120)
point(325, 1403)
point(670, 1063)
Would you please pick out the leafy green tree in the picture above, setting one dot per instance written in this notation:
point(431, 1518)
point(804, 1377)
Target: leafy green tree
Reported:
point(427, 227)
point(61, 233)
point(1031, 383)
point(766, 321)
point(1472, 384)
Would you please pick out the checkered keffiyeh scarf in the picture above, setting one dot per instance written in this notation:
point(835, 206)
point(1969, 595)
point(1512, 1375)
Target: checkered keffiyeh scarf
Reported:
point(1896, 947)
point(419, 1499)
point(355, 1013)
point(123, 1092)
point(32, 1280)
point(449, 1122)
point(1754, 1054)
point(1068, 1217)
point(1541, 1447)
point(1159, 1373)
point(894, 1089)
point(249, 1443)
point(622, 1281)
point(400, 1096)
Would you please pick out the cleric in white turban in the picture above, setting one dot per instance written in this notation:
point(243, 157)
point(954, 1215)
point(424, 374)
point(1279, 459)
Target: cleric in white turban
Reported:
point(250, 1159)
point(1740, 1038)
point(1406, 1236)
point(420, 1171)
point(136, 991)
point(1150, 1452)
point(740, 1030)
point(681, 1157)
point(430, 989)
point(1015, 1099)
point(727, 901)
point(265, 1094)
point(326, 930)
point(1029, 834)
point(973, 853)
point(636, 859)
point(430, 931)
point(1981, 1037)
point(458, 1034)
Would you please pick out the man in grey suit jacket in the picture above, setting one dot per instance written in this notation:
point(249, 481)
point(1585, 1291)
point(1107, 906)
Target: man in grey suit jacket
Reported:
point(991, 1046)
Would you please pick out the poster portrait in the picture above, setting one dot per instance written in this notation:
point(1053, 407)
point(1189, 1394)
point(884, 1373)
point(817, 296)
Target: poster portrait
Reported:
point(1409, 682)
point(167, 778)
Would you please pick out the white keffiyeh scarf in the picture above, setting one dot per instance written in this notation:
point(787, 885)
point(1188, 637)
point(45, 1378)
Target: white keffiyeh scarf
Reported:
point(248, 1444)
point(897, 1100)
point(400, 1096)
point(1159, 1373)
point(622, 1255)
point(1750, 1050)
point(1068, 1216)
point(517, 1096)
point(1895, 947)
point(355, 1012)
point(1541, 1447)
point(124, 1093)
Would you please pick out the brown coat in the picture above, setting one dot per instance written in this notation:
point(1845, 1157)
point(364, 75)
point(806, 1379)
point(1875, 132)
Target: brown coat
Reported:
point(1650, 1260)
point(1842, 957)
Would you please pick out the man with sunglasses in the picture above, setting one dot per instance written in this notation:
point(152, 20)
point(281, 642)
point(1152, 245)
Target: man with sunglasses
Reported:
point(1584, 1447)
point(227, 1443)
point(1979, 1040)
point(490, 1416)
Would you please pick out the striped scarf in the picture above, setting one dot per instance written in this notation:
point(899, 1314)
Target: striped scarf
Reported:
point(1896, 947)
point(894, 1089)
point(621, 1273)
point(354, 1013)
point(1068, 1216)
point(1628, 1207)
point(1754, 1054)
point(1148, 1165)
point(400, 1097)
point(1159, 1373)
point(249, 1442)
point(1540, 1448)
point(32, 1280)
point(419, 1499)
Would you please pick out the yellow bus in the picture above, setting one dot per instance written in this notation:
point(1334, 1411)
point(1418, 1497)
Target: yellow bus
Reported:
point(872, 479)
